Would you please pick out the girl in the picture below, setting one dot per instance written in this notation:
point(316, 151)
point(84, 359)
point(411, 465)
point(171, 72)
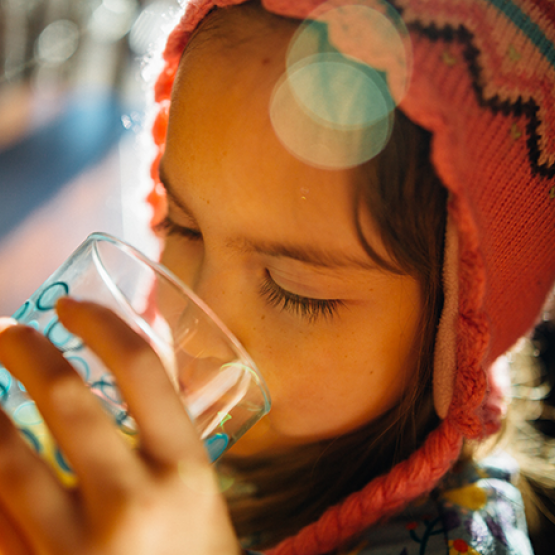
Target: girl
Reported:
point(368, 204)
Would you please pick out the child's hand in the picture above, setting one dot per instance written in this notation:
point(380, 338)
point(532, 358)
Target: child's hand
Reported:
point(161, 499)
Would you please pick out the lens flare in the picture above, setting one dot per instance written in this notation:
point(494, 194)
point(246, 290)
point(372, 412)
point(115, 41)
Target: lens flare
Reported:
point(347, 68)
point(330, 114)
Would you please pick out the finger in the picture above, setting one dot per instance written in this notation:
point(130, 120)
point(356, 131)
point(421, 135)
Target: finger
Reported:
point(74, 416)
point(36, 504)
point(11, 541)
point(166, 432)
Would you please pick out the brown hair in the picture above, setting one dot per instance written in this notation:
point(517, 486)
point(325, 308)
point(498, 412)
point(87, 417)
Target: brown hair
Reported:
point(530, 428)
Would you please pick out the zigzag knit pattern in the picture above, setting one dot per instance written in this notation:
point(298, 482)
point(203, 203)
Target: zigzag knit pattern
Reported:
point(510, 53)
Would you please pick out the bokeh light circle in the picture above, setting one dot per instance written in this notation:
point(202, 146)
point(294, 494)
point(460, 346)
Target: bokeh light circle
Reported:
point(330, 114)
point(347, 68)
point(57, 42)
point(340, 93)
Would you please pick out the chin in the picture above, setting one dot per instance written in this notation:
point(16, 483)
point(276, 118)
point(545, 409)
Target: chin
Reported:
point(274, 435)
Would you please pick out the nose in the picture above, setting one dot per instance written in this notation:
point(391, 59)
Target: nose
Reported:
point(212, 279)
point(199, 333)
point(218, 288)
point(211, 389)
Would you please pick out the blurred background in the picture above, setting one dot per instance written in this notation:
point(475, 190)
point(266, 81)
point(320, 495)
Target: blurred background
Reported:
point(74, 79)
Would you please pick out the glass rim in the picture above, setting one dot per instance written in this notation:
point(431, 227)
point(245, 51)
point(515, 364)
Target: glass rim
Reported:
point(186, 291)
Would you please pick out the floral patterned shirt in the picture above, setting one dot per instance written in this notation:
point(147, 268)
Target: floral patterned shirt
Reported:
point(476, 510)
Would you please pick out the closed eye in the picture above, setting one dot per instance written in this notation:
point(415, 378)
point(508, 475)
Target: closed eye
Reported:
point(167, 227)
point(305, 307)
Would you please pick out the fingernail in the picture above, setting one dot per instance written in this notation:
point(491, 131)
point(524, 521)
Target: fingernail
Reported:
point(6, 322)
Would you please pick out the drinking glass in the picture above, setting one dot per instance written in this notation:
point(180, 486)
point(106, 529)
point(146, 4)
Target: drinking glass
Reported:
point(221, 388)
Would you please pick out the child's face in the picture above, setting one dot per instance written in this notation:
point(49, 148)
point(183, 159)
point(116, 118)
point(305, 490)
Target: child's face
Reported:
point(263, 222)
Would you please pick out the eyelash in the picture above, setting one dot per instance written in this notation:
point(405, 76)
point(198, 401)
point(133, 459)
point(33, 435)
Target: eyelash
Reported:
point(305, 307)
point(312, 309)
point(168, 228)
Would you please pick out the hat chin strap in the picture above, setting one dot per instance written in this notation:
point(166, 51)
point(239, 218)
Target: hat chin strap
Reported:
point(445, 351)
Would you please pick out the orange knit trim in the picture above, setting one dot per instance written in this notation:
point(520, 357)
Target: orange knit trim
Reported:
point(382, 497)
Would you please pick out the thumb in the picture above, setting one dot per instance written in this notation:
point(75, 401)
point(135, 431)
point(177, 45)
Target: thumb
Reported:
point(11, 540)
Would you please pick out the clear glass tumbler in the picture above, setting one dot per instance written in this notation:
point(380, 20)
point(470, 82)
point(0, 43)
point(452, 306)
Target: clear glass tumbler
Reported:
point(219, 383)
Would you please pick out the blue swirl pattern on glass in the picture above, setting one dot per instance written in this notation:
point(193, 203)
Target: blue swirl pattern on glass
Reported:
point(39, 313)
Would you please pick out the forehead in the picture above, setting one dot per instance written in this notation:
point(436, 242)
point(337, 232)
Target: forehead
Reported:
point(221, 148)
point(242, 48)
point(220, 116)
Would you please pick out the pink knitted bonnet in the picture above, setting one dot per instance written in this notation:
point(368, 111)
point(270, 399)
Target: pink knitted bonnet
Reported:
point(482, 81)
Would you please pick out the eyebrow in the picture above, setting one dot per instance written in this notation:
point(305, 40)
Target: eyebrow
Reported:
point(303, 253)
point(172, 195)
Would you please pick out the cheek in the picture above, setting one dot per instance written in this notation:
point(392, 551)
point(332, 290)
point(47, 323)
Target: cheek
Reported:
point(332, 380)
point(322, 388)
